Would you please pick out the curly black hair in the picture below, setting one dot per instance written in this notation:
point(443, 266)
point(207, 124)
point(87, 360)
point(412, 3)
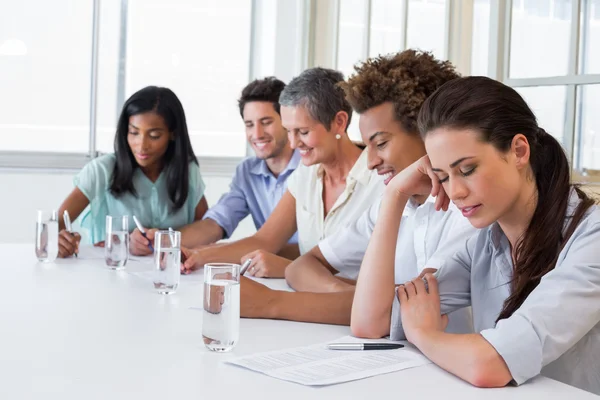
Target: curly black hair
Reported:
point(406, 79)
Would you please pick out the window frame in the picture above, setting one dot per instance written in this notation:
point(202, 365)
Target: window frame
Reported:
point(459, 31)
point(572, 80)
point(53, 162)
point(451, 6)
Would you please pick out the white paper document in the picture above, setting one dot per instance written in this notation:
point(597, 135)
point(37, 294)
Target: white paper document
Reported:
point(317, 366)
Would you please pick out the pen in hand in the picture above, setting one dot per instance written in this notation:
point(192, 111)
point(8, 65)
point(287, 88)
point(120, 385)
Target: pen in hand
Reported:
point(143, 232)
point(245, 266)
point(171, 237)
point(68, 227)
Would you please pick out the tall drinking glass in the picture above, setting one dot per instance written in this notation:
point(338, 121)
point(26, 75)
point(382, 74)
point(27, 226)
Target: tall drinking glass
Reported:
point(116, 245)
point(46, 236)
point(167, 261)
point(221, 315)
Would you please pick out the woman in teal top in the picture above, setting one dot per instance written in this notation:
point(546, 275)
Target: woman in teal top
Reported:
point(153, 174)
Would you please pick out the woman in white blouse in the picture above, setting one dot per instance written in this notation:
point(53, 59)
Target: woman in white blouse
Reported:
point(532, 273)
point(329, 191)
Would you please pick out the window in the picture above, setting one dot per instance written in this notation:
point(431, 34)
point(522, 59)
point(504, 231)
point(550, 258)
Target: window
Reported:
point(352, 34)
point(552, 64)
point(387, 32)
point(481, 38)
point(548, 105)
point(539, 45)
point(587, 146)
point(427, 27)
point(201, 50)
point(545, 49)
point(45, 102)
point(590, 37)
point(368, 28)
point(172, 43)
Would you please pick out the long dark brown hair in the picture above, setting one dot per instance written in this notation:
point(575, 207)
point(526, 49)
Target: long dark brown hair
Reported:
point(498, 112)
point(179, 154)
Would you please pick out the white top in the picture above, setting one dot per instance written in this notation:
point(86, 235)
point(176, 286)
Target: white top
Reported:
point(556, 331)
point(426, 238)
point(306, 185)
point(75, 330)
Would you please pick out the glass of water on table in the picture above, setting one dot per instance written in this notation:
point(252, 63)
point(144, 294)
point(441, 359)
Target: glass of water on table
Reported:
point(221, 306)
point(116, 244)
point(46, 236)
point(167, 261)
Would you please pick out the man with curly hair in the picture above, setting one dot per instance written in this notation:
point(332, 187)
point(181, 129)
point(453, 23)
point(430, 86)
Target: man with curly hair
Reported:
point(387, 92)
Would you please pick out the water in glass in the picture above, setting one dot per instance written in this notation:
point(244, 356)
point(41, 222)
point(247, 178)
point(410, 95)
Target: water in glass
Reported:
point(167, 269)
point(221, 315)
point(46, 237)
point(116, 249)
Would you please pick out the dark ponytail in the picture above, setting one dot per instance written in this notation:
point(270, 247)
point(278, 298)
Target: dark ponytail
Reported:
point(540, 245)
point(498, 112)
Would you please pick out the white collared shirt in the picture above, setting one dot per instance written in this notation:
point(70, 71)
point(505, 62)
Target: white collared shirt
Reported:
point(363, 187)
point(556, 331)
point(426, 238)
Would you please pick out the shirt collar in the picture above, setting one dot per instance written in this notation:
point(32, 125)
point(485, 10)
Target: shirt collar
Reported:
point(574, 201)
point(359, 172)
point(142, 183)
point(294, 162)
point(496, 235)
point(261, 168)
point(412, 203)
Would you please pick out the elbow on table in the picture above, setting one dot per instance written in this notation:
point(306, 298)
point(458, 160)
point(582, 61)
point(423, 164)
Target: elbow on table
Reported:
point(369, 329)
point(486, 374)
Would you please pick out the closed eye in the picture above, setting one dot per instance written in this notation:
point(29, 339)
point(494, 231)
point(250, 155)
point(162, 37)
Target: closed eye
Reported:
point(381, 145)
point(469, 172)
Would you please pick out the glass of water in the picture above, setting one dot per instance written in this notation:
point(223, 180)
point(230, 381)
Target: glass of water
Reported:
point(221, 314)
point(167, 261)
point(116, 245)
point(46, 236)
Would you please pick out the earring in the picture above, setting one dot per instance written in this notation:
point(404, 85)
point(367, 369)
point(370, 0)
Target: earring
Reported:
point(338, 136)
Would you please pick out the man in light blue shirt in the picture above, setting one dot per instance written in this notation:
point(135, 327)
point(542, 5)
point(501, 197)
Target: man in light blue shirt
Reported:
point(259, 182)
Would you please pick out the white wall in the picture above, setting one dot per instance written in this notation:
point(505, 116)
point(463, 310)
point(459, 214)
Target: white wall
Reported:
point(22, 193)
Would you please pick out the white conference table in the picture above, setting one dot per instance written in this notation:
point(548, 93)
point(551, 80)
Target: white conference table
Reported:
point(77, 330)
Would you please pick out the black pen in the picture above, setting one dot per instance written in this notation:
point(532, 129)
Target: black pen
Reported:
point(364, 346)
